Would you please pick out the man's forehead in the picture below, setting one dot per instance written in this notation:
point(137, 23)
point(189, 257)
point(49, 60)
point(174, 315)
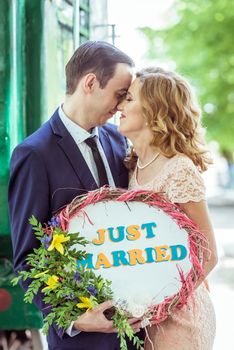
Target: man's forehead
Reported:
point(120, 86)
point(121, 80)
point(123, 68)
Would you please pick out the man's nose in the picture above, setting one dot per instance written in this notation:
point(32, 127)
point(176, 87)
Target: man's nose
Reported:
point(120, 106)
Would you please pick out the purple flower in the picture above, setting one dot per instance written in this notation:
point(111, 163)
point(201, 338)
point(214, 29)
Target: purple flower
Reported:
point(77, 277)
point(54, 221)
point(92, 290)
point(46, 241)
point(46, 261)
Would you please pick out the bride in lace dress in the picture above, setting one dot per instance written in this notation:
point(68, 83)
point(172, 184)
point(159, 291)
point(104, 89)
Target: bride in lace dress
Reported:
point(161, 118)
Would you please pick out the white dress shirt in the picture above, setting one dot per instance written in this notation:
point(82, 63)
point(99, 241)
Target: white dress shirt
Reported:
point(80, 135)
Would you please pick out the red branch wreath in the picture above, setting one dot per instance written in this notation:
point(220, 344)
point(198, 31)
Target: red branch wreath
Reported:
point(197, 242)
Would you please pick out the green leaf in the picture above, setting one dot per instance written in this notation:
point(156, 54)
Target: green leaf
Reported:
point(33, 221)
point(15, 280)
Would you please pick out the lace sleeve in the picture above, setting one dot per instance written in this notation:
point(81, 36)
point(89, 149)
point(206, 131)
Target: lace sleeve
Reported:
point(185, 183)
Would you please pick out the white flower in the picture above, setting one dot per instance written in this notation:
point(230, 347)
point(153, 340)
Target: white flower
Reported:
point(136, 310)
point(121, 304)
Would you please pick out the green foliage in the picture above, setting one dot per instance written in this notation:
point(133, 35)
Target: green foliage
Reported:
point(52, 270)
point(200, 42)
point(121, 323)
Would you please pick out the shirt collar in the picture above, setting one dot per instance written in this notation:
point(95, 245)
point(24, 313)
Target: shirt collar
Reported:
point(76, 131)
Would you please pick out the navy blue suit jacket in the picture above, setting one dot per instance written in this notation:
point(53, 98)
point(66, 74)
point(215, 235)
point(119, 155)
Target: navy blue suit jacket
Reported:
point(47, 172)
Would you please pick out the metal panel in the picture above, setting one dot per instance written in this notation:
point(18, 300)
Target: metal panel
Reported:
point(5, 68)
point(17, 315)
point(34, 63)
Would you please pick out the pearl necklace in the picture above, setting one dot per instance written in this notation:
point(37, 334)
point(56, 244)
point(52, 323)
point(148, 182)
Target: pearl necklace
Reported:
point(151, 161)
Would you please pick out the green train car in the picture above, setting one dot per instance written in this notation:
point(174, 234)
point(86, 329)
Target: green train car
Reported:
point(36, 39)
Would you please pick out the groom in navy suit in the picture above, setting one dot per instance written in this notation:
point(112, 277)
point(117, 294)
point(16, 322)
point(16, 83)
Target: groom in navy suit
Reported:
point(72, 153)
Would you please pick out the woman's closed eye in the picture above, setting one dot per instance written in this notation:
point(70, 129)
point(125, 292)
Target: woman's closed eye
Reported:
point(128, 98)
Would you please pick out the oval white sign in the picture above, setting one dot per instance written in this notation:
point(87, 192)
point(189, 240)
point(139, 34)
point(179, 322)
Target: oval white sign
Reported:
point(136, 246)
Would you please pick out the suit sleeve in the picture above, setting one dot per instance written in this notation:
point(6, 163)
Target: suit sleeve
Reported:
point(28, 195)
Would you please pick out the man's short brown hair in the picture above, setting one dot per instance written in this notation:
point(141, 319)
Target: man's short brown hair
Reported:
point(96, 57)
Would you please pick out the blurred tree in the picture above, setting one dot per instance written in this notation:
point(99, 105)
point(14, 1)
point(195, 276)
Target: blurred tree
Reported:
point(200, 42)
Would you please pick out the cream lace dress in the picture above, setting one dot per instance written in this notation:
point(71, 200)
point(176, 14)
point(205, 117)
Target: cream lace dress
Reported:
point(192, 327)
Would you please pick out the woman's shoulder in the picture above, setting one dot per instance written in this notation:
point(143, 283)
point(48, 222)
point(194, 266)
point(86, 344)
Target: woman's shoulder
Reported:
point(185, 182)
point(181, 158)
point(182, 163)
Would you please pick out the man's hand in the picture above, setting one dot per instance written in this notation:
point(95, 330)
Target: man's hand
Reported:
point(95, 321)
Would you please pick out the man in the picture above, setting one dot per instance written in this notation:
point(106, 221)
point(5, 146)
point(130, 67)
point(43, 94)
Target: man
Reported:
point(69, 155)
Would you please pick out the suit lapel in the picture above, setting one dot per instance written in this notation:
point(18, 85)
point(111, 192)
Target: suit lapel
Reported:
point(73, 153)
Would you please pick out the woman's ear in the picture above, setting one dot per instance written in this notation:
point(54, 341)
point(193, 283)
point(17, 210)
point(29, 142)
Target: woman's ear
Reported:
point(90, 82)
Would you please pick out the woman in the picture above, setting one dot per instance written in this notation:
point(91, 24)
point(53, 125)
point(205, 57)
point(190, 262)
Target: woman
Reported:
point(162, 121)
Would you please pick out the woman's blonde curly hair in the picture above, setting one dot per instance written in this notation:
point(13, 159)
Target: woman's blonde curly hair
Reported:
point(173, 115)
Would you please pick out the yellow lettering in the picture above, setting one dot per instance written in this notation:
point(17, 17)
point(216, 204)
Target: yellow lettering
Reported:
point(101, 239)
point(135, 257)
point(161, 252)
point(102, 261)
point(133, 232)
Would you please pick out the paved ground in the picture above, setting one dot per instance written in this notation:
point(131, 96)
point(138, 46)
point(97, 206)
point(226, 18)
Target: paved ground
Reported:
point(222, 278)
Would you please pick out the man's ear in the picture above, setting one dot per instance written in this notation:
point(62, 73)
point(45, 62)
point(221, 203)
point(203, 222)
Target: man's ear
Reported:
point(90, 82)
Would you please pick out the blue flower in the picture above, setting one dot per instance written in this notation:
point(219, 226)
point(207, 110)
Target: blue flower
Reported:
point(46, 241)
point(54, 221)
point(77, 277)
point(92, 290)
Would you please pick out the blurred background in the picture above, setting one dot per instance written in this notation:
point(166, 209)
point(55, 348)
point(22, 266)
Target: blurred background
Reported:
point(37, 37)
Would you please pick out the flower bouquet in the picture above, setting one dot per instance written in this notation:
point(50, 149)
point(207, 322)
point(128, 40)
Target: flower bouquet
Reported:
point(68, 292)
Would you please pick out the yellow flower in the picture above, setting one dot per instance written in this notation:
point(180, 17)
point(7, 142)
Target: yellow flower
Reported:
point(87, 303)
point(57, 241)
point(41, 274)
point(52, 283)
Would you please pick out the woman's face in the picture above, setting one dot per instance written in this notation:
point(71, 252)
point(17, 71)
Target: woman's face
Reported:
point(131, 120)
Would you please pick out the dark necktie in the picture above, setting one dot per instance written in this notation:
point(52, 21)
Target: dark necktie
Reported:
point(103, 180)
